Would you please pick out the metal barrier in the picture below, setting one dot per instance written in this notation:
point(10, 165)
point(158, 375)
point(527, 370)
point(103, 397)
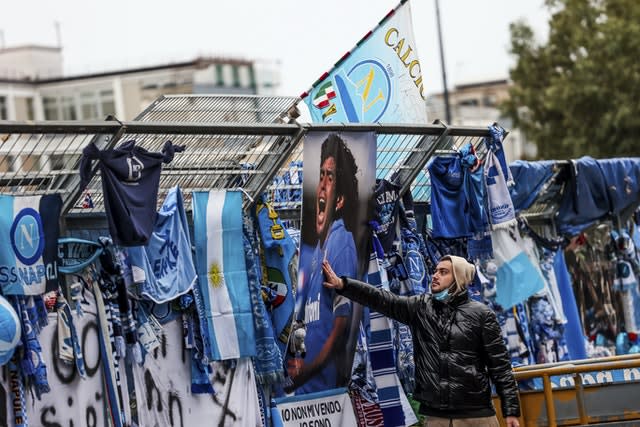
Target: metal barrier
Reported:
point(581, 404)
point(43, 157)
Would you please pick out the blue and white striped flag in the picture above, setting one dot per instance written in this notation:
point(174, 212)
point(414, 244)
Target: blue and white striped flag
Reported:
point(29, 231)
point(222, 274)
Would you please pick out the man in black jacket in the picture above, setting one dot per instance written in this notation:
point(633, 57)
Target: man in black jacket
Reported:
point(457, 343)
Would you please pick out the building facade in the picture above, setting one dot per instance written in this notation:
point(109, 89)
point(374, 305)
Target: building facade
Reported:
point(33, 87)
point(477, 104)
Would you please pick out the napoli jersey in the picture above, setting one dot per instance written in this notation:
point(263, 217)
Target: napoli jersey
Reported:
point(322, 305)
point(130, 180)
point(448, 200)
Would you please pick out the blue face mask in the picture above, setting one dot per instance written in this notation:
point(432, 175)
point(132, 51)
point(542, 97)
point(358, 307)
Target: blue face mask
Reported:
point(442, 296)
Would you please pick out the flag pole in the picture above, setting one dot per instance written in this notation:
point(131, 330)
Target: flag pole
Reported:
point(444, 71)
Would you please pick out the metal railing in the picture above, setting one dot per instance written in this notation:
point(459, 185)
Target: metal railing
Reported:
point(43, 157)
point(575, 368)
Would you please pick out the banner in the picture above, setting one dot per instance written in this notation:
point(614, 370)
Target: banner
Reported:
point(330, 408)
point(163, 389)
point(72, 399)
point(337, 191)
point(29, 231)
point(379, 80)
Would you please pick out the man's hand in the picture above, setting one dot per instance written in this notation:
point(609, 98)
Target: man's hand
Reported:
point(512, 422)
point(332, 280)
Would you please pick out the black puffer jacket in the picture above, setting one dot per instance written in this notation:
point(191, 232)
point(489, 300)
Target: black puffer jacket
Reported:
point(457, 347)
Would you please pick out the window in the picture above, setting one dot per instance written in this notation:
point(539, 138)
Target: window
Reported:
point(469, 102)
point(56, 162)
point(107, 103)
point(236, 75)
point(50, 105)
point(30, 163)
point(89, 106)
point(31, 115)
point(252, 77)
point(3, 108)
point(68, 108)
point(7, 163)
point(219, 75)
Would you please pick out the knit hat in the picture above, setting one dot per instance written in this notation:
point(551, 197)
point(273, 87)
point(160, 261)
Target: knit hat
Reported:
point(463, 271)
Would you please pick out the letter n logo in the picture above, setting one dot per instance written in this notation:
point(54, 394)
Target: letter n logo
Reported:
point(27, 236)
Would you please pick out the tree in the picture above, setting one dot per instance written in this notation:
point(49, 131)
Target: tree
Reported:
point(579, 94)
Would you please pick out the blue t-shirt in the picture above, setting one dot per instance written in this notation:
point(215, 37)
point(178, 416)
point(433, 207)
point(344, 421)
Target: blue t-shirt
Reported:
point(322, 305)
point(130, 180)
point(448, 200)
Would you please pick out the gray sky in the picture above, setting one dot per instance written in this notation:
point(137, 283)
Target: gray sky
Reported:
point(306, 37)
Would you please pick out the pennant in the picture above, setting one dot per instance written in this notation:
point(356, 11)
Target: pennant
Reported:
point(379, 80)
point(29, 258)
point(222, 274)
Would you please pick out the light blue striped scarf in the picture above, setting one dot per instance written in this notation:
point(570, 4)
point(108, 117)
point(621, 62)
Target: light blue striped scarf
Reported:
point(381, 347)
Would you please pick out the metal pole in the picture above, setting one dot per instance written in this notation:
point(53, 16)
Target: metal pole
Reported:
point(582, 413)
point(444, 71)
point(548, 400)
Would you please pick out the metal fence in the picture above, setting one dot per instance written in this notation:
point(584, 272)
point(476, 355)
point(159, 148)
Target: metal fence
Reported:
point(38, 158)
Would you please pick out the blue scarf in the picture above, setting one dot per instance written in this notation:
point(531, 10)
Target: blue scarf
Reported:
point(269, 366)
point(381, 346)
point(33, 368)
point(18, 396)
point(72, 341)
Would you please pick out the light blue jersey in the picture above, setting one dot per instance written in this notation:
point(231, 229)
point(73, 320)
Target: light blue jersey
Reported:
point(164, 268)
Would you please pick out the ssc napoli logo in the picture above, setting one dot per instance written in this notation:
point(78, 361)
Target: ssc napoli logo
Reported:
point(361, 94)
point(27, 236)
point(416, 268)
point(373, 89)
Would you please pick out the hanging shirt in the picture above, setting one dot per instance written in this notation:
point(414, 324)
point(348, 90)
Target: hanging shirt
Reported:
point(387, 199)
point(130, 179)
point(448, 200)
point(164, 268)
point(322, 305)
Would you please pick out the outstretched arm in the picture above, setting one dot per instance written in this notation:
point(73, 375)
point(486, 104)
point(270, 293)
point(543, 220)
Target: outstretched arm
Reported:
point(402, 309)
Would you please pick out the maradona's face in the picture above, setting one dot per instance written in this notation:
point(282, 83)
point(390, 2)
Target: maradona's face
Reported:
point(442, 277)
point(325, 197)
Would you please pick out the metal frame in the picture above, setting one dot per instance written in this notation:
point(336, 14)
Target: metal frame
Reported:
point(217, 152)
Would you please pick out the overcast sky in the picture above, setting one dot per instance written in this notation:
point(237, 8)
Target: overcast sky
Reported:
point(306, 37)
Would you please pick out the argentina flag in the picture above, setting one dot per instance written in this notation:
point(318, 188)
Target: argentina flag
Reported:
point(222, 274)
point(29, 231)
